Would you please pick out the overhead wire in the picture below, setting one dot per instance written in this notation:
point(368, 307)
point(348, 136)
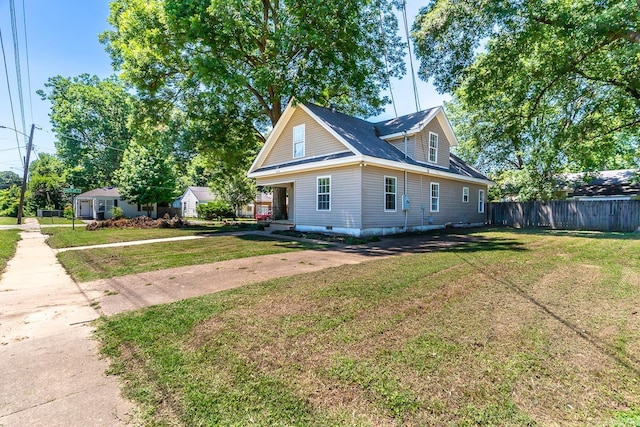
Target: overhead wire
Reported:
point(13, 114)
point(386, 60)
point(16, 55)
point(26, 51)
point(413, 74)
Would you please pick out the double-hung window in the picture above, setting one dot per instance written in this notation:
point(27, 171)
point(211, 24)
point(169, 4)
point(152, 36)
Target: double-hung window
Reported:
point(465, 194)
point(435, 197)
point(433, 147)
point(324, 193)
point(298, 141)
point(390, 186)
point(480, 201)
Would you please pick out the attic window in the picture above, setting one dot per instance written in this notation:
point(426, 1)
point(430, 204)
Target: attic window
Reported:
point(298, 141)
point(433, 147)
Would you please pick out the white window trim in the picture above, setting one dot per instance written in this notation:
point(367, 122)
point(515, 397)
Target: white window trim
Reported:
point(465, 192)
point(481, 201)
point(435, 160)
point(431, 197)
point(318, 178)
point(304, 137)
point(395, 193)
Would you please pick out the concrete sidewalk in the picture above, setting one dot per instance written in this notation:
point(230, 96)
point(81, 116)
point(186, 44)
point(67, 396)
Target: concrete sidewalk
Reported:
point(52, 374)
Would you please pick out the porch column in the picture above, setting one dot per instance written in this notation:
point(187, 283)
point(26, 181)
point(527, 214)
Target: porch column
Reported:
point(279, 209)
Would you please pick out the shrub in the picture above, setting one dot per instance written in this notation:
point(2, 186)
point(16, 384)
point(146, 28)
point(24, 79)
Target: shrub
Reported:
point(117, 213)
point(68, 212)
point(215, 209)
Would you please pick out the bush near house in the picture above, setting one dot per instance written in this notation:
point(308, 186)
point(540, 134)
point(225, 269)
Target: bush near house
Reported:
point(117, 212)
point(215, 209)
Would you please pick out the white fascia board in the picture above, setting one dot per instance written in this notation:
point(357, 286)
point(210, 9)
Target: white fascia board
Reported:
point(364, 161)
point(329, 129)
point(344, 161)
point(444, 124)
point(423, 170)
point(273, 136)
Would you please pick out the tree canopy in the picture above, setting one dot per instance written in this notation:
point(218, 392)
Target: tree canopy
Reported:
point(540, 87)
point(147, 174)
point(9, 178)
point(46, 183)
point(90, 119)
point(246, 59)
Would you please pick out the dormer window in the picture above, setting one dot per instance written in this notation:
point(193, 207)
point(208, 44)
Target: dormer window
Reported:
point(433, 147)
point(298, 141)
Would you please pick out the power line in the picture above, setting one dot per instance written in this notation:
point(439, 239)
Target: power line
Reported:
point(413, 74)
point(16, 55)
point(386, 60)
point(26, 51)
point(13, 114)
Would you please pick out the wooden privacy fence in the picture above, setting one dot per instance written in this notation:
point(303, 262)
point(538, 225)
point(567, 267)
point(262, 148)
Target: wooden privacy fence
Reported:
point(602, 215)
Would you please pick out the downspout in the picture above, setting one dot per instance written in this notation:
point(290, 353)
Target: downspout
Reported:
point(406, 211)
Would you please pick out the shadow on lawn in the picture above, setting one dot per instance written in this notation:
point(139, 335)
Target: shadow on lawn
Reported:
point(629, 361)
point(572, 233)
point(424, 243)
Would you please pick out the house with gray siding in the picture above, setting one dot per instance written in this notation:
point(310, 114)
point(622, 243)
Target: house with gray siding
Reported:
point(347, 175)
point(99, 203)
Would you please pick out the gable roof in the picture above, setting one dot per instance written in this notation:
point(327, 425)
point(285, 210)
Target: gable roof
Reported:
point(201, 193)
point(101, 192)
point(405, 123)
point(364, 141)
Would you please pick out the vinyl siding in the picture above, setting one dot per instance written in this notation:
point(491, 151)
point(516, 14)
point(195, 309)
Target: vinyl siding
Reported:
point(422, 144)
point(373, 198)
point(452, 209)
point(318, 141)
point(411, 145)
point(345, 198)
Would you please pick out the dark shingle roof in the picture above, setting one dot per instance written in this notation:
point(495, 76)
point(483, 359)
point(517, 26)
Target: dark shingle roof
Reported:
point(621, 182)
point(362, 136)
point(307, 161)
point(404, 123)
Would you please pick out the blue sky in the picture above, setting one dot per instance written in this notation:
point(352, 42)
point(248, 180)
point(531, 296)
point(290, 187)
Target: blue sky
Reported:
point(62, 37)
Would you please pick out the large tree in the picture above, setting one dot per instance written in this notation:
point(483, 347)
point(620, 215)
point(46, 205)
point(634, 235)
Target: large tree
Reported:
point(90, 119)
point(8, 179)
point(147, 174)
point(46, 183)
point(233, 65)
point(540, 87)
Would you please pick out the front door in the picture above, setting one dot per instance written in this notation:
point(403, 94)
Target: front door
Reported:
point(86, 210)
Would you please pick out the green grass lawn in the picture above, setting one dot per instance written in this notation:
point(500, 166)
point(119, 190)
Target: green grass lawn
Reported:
point(515, 329)
point(66, 237)
point(92, 264)
point(8, 242)
point(8, 220)
point(56, 220)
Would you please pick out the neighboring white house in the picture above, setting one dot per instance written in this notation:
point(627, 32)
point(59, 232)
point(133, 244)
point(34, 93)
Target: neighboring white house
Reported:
point(99, 203)
point(346, 175)
point(191, 198)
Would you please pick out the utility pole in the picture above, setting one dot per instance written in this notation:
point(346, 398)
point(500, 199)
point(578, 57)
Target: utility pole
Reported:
point(24, 176)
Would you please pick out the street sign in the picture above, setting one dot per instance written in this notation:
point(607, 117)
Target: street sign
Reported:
point(72, 190)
